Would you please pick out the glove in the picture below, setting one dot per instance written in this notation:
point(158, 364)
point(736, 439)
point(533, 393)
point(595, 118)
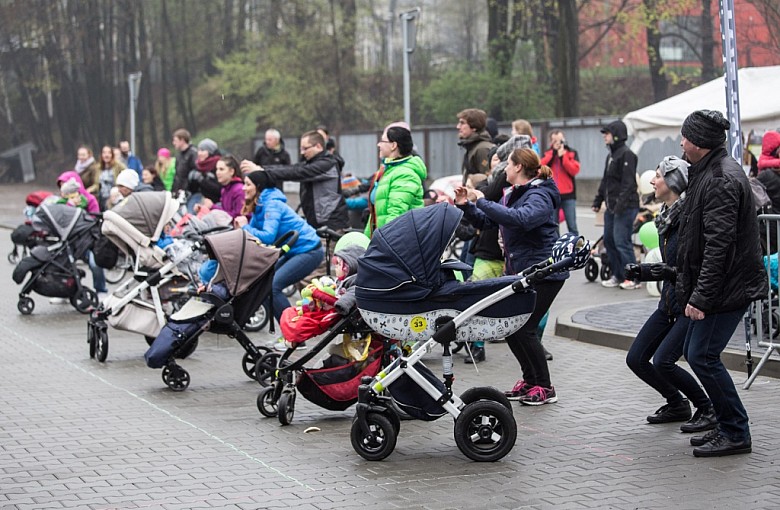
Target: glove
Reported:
point(632, 271)
point(651, 272)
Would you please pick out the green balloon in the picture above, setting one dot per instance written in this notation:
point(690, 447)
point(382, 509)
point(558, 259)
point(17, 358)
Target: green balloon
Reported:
point(352, 238)
point(648, 235)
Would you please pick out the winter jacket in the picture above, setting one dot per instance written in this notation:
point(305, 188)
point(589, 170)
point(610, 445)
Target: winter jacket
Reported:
point(668, 244)
point(528, 221)
point(209, 186)
point(719, 257)
point(485, 243)
point(265, 156)
point(564, 170)
point(321, 198)
point(476, 160)
point(186, 161)
point(618, 185)
point(91, 178)
point(273, 218)
point(232, 197)
point(769, 157)
point(397, 188)
point(92, 203)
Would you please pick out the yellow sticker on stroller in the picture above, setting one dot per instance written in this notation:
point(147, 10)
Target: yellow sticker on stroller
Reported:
point(418, 324)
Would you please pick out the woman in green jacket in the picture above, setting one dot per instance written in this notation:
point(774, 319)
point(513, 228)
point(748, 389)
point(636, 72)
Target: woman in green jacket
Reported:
point(398, 185)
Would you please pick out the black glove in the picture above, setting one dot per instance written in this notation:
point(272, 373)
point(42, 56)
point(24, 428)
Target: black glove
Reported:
point(633, 272)
point(651, 272)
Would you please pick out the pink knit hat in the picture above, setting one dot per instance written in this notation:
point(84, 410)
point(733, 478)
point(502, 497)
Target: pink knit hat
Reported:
point(163, 153)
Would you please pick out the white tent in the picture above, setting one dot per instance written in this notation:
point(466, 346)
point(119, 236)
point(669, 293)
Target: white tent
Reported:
point(759, 106)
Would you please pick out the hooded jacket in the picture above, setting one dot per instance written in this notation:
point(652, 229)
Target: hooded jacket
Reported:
point(618, 185)
point(92, 203)
point(528, 222)
point(398, 189)
point(719, 266)
point(273, 218)
point(769, 157)
point(564, 169)
point(476, 159)
point(232, 197)
point(321, 198)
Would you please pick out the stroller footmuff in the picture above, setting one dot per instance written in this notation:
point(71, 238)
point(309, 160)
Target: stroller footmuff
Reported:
point(407, 282)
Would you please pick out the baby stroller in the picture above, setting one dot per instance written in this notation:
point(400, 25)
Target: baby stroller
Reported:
point(594, 269)
point(243, 281)
point(403, 292)
point(53, 268)
point(160, 277)
point(25, 237)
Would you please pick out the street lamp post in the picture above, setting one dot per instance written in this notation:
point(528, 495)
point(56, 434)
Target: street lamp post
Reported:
point(409, 31)
point(133, 82)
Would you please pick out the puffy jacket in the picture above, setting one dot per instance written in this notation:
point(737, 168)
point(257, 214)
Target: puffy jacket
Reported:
point(92, 203)
point(321, 198)
point(232, 197)
point(769, 145)
point(564, 170)
point(618, 185)
point(719, 256)
point(528, 221)
point(273, 218)
point(398, 189)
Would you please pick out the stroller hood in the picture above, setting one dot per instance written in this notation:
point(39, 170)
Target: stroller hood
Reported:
point(404, 256)
point(62, 220)
point(148, 212)
point(242, 259)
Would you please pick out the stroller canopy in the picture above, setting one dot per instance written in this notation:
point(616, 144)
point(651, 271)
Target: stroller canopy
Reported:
point(62, 220)
point(242, 258)
point(405, 255)
point(148, 211)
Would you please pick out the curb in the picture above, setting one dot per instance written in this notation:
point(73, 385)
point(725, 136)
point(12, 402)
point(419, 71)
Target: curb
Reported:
point(732, 359)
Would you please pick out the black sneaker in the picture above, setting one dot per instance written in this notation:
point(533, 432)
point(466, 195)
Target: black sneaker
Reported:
point(722, 446)
point(703, 419)
point(669, 413)
point(706, 438)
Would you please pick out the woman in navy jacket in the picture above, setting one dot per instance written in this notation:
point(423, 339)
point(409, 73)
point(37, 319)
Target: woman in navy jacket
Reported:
point(527, 220)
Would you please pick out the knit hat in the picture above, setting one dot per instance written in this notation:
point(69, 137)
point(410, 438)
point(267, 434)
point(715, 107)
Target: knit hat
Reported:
point(350, 255)
point(208, 145)
point(705, 128)
point(675, 173)
point(69, 187)
point(260, 179)
point(506, 149)
point(163, 153)
point(127, 178)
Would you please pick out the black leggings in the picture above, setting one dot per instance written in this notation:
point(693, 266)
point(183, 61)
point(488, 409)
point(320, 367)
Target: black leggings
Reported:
point(525, 345)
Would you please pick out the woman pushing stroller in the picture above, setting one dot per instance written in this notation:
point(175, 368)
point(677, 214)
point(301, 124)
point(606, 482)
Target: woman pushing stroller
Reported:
point(526, 217)
point(270, 218)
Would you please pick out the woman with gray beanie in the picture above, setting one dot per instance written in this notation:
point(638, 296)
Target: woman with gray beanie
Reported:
point(663, 335)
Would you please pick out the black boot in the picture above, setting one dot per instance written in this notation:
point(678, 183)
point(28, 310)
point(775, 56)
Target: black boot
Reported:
point(669, 413)
point(478, 353)
point(703, 419)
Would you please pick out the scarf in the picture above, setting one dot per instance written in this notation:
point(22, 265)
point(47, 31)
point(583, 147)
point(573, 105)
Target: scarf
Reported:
point(80, 167)
point(669, 216)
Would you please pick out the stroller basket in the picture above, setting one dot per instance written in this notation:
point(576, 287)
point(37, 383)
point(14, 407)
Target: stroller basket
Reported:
point(336, 388)
point(136, 316)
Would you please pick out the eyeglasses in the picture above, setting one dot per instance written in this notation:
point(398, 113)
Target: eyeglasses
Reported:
point(385, 141)
point(304, 149)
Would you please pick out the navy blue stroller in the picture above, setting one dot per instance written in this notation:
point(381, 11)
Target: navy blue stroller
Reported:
point(405, 292)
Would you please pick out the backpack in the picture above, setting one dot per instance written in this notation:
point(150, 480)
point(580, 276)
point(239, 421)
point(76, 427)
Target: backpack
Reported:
point(106, 253)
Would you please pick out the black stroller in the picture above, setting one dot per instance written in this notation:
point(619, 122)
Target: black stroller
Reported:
point(53, 268)
point(241, 285)
point(404, 292)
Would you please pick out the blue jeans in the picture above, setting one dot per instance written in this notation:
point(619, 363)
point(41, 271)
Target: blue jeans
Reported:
point(98, 276)
point(663, 341)
point(617, 240)
point(569, 206)
point(704, 342)
point(289, 270)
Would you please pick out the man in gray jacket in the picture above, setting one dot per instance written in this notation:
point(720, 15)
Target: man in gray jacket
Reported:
point(318, 173)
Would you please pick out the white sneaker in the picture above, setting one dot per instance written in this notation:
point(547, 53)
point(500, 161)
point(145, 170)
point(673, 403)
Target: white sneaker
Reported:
point(630, 285)
point(611, 283)
point(284, 345)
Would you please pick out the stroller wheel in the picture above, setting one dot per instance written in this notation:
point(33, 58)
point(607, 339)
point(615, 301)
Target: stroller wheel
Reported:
point(25, 305)
point(100, 339)
point(380, 440)
point(485, 431)
point(265, 369)
point(248, 363)
point(258, 321)
point(485, 393)
point(606, 272)
point(14, 257)
point(286, 407)
point(117, 273)
point(84, 300)
point(591, 270)
point(175, 377)
point(91, 339)
point(266, 403)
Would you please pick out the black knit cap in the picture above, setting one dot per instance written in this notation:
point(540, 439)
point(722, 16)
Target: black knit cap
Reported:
point(705, 128)
point(260, 179)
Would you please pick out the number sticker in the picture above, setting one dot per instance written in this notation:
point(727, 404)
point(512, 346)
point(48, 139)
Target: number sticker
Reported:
point(418, 324)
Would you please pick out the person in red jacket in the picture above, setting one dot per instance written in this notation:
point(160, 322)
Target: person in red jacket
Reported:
point(565, 165)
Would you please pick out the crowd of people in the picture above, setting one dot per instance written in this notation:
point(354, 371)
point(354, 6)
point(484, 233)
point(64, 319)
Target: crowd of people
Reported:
point(514, 196)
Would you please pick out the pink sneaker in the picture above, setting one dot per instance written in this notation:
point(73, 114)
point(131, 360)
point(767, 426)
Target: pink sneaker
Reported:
point(539, 395)
point(518, 390)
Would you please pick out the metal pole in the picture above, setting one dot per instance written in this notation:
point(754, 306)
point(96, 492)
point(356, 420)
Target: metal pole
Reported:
point(133, 80)
point(730, 63)
point(407, 86)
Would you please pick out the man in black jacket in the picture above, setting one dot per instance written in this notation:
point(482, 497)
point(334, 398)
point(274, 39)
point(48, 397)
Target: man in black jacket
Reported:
point(272, 152)
point(185, 160)
point(720, 272)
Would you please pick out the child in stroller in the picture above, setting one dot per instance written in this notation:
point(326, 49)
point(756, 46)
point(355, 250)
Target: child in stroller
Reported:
point(240, 273)
point(404, 291)
point(332, 382)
